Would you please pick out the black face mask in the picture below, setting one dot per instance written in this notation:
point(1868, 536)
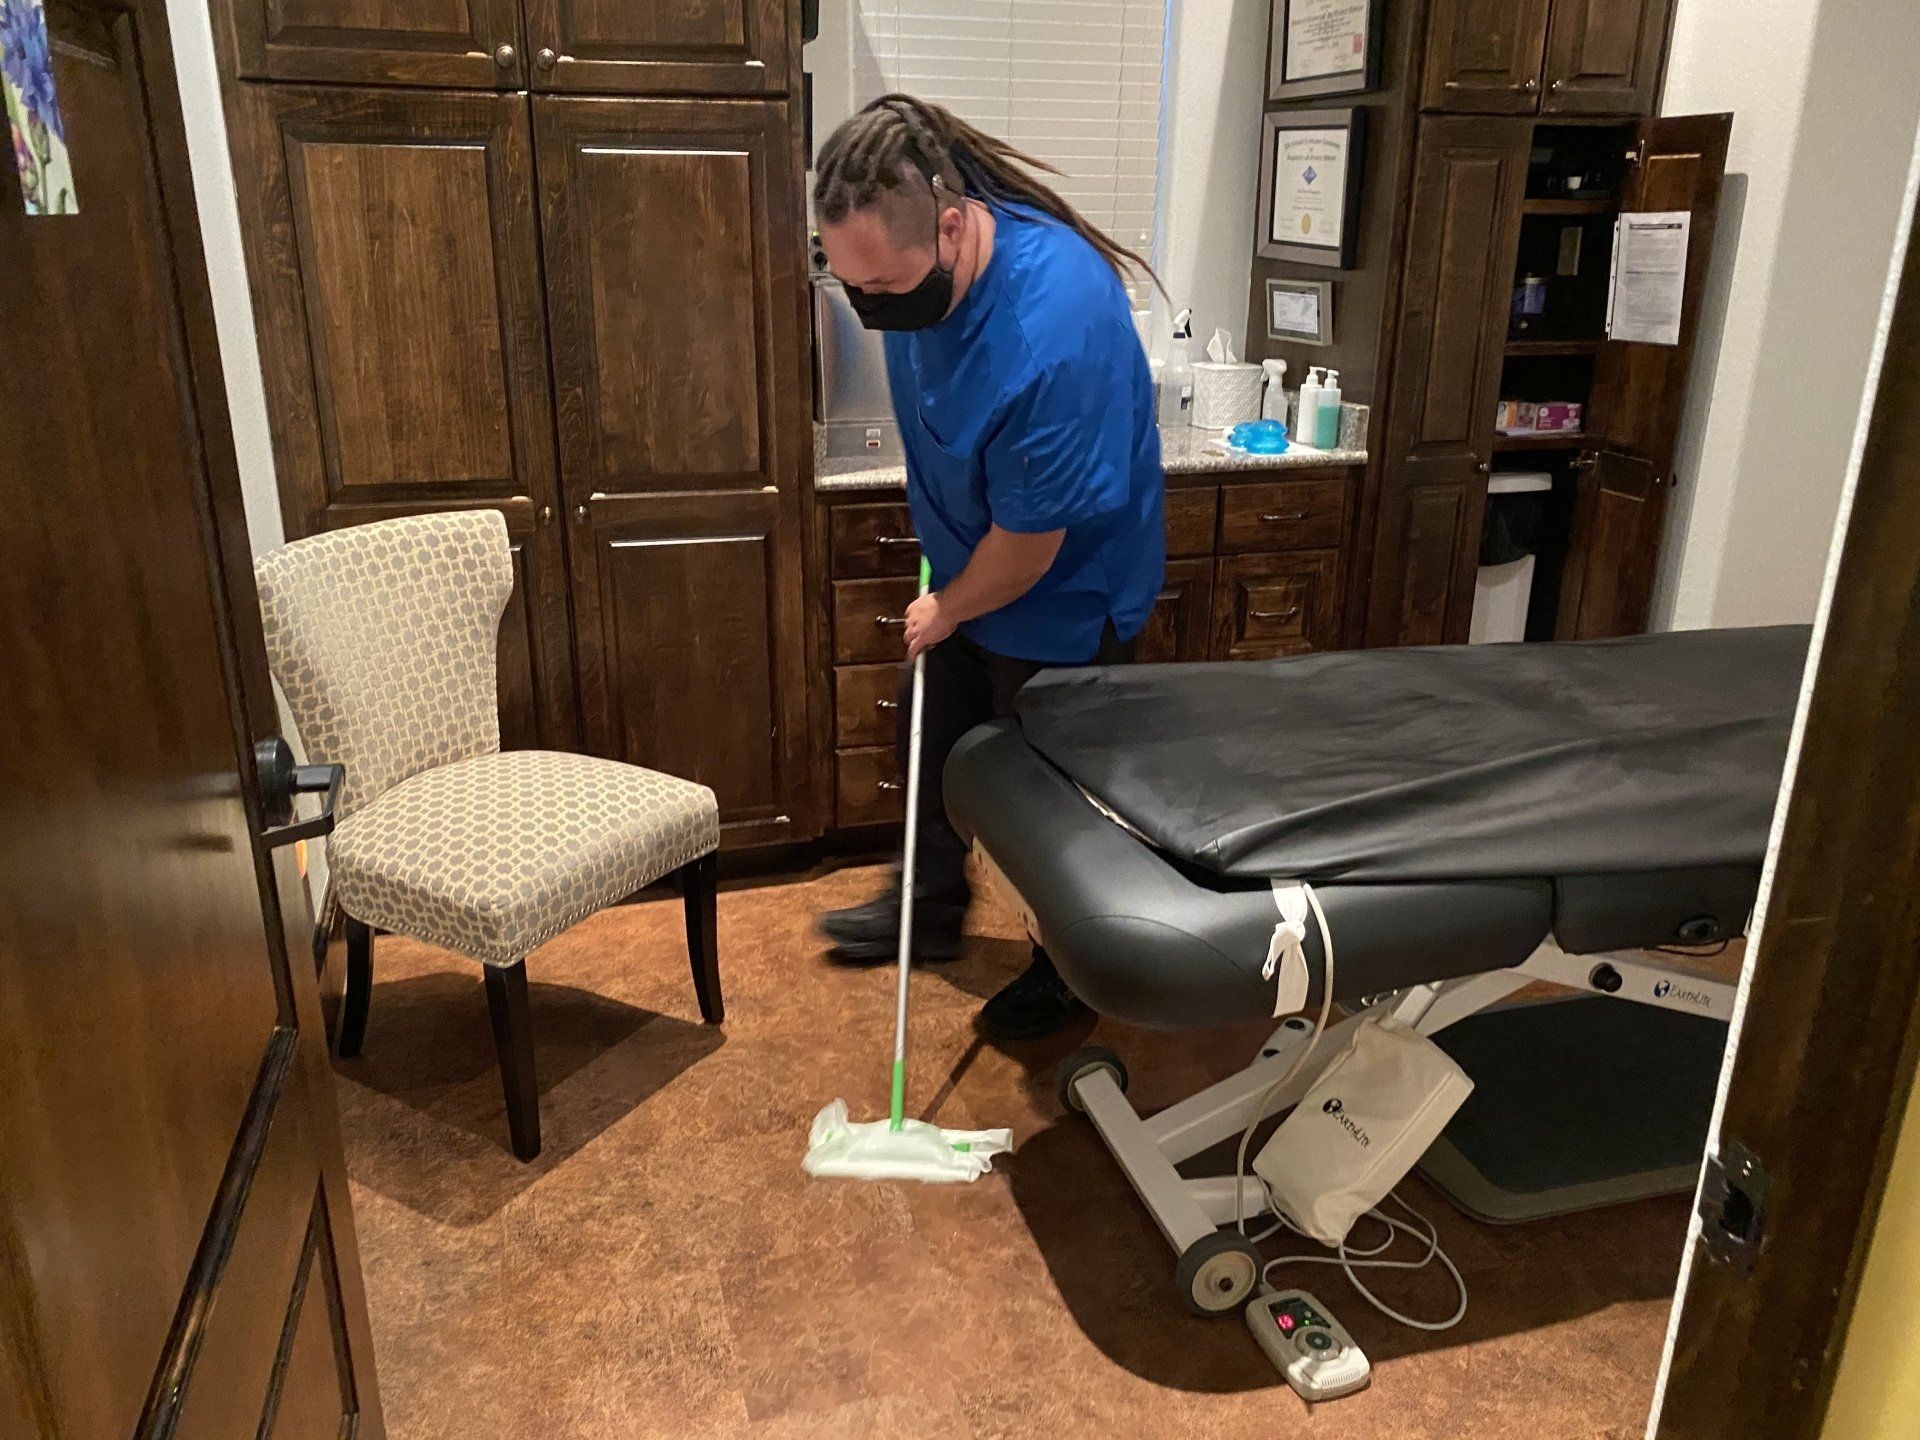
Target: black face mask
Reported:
point(926, 304)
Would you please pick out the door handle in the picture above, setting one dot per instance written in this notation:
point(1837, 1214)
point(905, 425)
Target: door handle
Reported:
point(505, 56)
point(281, 780)
point(1277, 519)
point(1287, 614)
point(886, 620)
point(886, 704)
point(887, 784)
point(580, 513)
point(546, 58)
point(1532, 85)
point(912, 540)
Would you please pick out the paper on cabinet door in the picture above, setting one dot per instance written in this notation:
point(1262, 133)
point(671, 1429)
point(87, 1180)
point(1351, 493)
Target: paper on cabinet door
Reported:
point(1649, 277)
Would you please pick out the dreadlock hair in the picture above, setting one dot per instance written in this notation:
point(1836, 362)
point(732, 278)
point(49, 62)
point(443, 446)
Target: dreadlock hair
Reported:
point(874, 151)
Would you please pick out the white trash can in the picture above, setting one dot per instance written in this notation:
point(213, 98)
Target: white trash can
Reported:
point(1503, 588)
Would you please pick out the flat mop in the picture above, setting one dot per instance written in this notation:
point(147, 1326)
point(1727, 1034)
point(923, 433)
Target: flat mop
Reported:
point(898, 1148)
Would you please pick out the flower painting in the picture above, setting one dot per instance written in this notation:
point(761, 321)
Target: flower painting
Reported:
point(33, 110)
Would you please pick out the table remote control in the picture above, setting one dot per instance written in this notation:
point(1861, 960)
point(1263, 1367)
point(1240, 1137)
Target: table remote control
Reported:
point(1314, 1353)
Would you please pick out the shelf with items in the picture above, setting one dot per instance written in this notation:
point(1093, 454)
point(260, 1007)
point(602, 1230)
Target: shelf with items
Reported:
point(1547, 440)
point(1565, 206)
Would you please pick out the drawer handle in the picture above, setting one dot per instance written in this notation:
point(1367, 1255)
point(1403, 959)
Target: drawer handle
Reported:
point(885, 620)
point(1289, 613)
point(913, 540)
point(1275, 518)
point(888, 785)
point(886, 704)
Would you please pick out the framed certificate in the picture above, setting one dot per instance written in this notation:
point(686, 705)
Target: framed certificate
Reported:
point(1323, 47)
point(1300, 311)
point(1310, 165)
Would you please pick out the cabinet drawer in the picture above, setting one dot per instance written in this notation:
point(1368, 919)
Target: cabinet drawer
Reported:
point(1287, 515)
point(869, 617)
point(866, 704)
point(872, 540)
point(1190, 516)
point(1270, 605)
point(867, 788)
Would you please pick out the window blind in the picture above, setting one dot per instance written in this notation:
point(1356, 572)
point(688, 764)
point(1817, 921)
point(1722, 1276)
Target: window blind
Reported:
point(1073, 82)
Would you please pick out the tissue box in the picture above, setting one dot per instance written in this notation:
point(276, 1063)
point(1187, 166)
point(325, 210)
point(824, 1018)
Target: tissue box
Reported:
point(1555, 417)
point(1516, 417)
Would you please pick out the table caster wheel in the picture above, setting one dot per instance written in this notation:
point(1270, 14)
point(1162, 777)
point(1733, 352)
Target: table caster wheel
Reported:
point(1082, 1063)
point(1216, 1275)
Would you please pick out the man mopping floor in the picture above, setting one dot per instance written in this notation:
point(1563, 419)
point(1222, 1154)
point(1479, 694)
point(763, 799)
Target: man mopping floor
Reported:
point(1033, 461)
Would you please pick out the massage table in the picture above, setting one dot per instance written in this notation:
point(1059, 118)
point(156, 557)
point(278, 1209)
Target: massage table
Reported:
point(1472, 819)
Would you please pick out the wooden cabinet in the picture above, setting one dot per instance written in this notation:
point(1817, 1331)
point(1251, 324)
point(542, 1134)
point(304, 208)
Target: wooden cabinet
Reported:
point(1603, 56)
point(1519, 57)
point(674, 293)
point(472, 44)
point(688, 631)
point(1266, 606)
point(1485, 55)
point(663, 47)
point(1626, 475)
point(1181, 625)
point(635, 47)
point(394, 253)
point(1469, 180)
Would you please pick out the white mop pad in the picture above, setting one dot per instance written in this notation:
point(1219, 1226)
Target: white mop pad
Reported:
point(874, 1150)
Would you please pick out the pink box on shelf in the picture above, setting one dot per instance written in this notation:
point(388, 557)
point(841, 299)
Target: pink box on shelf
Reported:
point(1556, 416)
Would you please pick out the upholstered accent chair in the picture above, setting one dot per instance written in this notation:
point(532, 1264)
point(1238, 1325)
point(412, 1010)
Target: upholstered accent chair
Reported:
point(383, 637)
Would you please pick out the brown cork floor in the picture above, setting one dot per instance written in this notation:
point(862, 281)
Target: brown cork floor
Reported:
point(665, 1268)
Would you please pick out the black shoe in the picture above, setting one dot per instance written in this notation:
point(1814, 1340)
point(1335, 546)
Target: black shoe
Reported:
point(1036, 1004)
point(869, 934)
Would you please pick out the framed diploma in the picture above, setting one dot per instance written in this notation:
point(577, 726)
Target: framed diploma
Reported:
point(1323, 47)
point(1310, 164)
point(1300, 311)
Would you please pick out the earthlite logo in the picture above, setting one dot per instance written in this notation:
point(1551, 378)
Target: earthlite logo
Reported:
point(1686, 994)
point(1339, 1112)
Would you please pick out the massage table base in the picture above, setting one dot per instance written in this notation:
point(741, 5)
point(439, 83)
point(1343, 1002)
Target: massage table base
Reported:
point(1576, 1104)
point(1216, 1274)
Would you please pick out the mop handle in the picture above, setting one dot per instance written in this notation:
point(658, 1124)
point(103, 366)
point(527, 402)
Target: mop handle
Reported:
point(897, 1111)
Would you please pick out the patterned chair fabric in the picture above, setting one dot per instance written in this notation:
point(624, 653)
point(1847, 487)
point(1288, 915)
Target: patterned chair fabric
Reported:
point(497, 854)
point(383, 638)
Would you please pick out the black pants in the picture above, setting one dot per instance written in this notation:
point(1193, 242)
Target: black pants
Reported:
point(966, 686)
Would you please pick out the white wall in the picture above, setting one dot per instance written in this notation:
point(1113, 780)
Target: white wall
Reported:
point(1825, 106)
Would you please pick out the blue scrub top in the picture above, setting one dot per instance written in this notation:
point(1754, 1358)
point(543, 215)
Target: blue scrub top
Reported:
point(1030, 407)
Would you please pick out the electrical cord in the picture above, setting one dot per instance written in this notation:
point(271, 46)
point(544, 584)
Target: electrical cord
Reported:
point(1351, 1260)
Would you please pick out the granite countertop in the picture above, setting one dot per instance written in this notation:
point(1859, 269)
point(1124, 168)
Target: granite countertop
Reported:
point(1183, 450)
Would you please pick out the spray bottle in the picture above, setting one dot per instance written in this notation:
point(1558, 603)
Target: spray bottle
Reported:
point(1273, 401)
point(1175, 400)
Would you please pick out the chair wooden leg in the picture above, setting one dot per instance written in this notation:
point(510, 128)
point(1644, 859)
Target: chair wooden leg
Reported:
point(513, 1040)
point(700, 887)
point(358, 996)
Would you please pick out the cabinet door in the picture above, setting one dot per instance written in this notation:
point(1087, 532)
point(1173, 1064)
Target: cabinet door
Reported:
point(664, 47)
point(1638, 390)
point(1603, 56)
point(395, 264)
point(1615, 543)
point(674, 261)
point(1484, 56)
point(1469, 180)
point(1182, 616)
point(691, 655)
point(470, 43)
point(1270, 605)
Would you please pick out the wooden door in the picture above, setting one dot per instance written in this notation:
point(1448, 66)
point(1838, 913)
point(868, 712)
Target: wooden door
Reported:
point(1182, 617)
point(469, 43)
point(1638, 391)
point(393, 248)
point(1469, 180)
point(674, 262)
point(665, 47)
point(1485, 56)
point(1603, 56)
point(174, 1218)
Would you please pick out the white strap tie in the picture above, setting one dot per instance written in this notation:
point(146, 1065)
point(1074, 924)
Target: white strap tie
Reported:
point(1286, 962)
